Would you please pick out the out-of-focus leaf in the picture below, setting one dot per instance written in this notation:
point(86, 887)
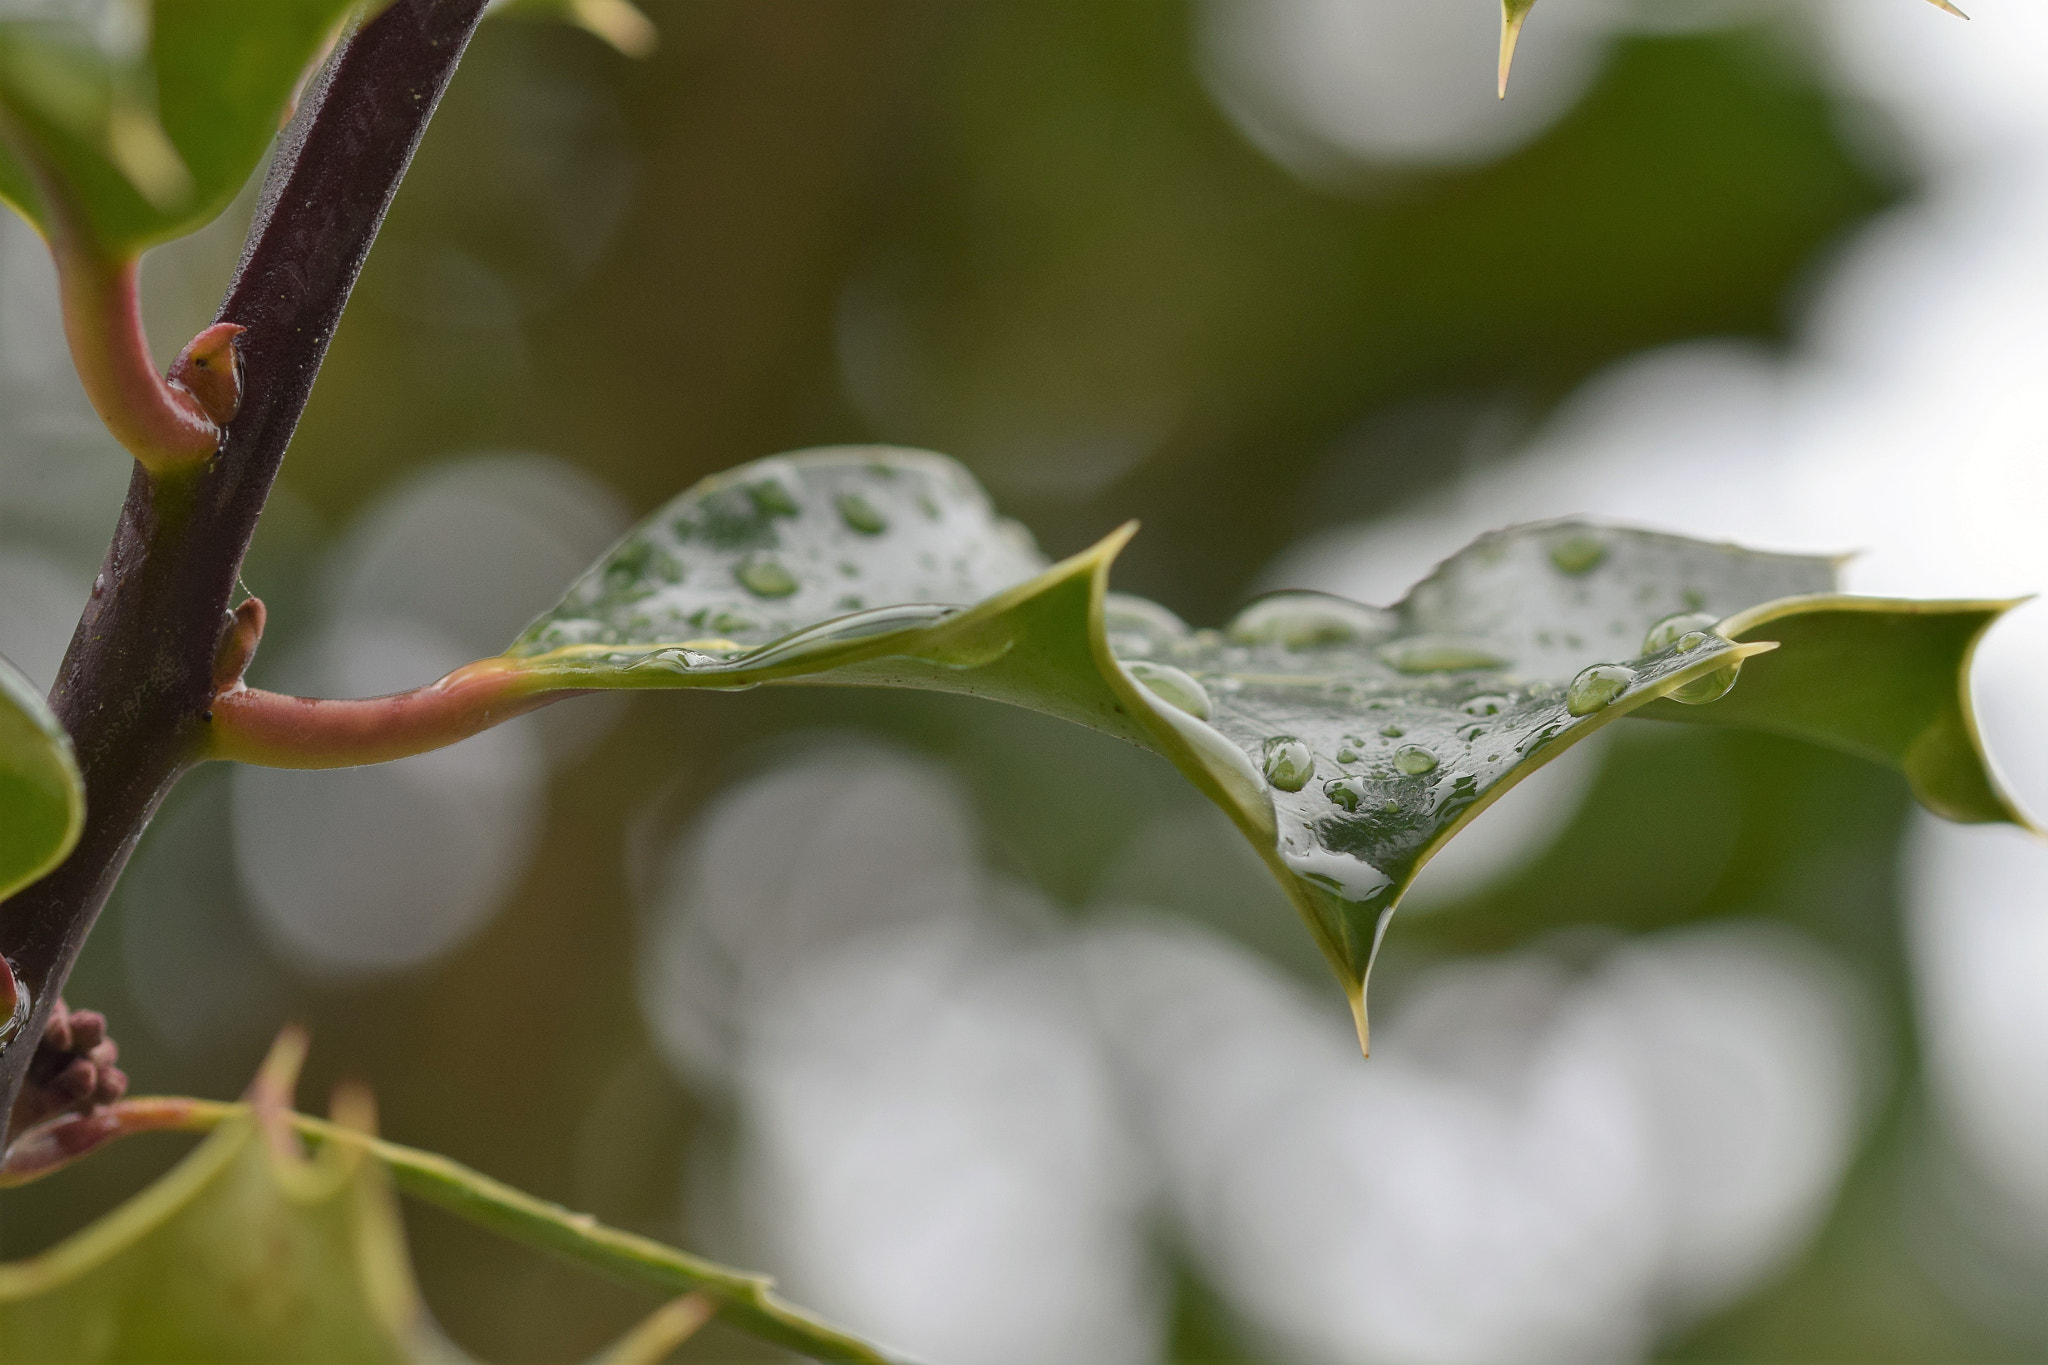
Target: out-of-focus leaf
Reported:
point(246, 1251)
point(1514, 12)
point(340, 1290)
point(130, 134)
point(42, 797)
point(249, 1250)
point(619, 23)
point(1348, 742)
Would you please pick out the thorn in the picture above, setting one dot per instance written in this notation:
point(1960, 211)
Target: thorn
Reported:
point(1512, 13)
point(1944, 4)
point(210, 370)
point(270, 1093)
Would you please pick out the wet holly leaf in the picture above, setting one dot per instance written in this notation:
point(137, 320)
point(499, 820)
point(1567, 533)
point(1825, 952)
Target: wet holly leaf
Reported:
point(1348, 742)
point(128, 125)
point(42, 797)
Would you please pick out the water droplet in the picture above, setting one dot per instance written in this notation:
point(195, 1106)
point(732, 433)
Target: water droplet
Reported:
point(1392, 731)
point(1137, 626)
point(1438, 654)
point(1305, 620)
point(860, 515)
point(765, 578)
point(1345, 792)
point(1579, 553)
point(1486, 705)
point(1674, 631)
point(772, 499)
point(1712, 687)
point(1171, 686)
point(1289, 764)
point(1596, 688)
point(1414, 760)
point(1347, 755)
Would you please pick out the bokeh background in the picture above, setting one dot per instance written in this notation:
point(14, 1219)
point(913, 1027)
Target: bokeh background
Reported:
point(984, 1033)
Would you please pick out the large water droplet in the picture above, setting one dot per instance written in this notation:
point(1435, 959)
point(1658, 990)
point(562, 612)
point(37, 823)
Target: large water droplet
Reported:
point(1304, 620)
point(1345, 792)
point(860, 515)
point(765, 578)
point(1414, 760)
point(1577, 554)
point(1675, 630)
point(1438, 654)
point(1171, 686)
point(1597, 687)
point(1289, 763)
point(1137, 626)
point(1712, 687)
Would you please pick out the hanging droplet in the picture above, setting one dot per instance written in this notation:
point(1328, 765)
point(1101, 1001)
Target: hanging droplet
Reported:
point(1577, 554)
point(1596, 688)
point(1414, 760)
point(1289, 763)
point(1674, 631)
point(860, 515)
point(1171, 686)
point(1712, 687)
point(765, 578)
point(1306, 620)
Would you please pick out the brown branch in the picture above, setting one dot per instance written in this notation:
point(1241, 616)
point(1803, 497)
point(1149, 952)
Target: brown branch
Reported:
point(139, 676)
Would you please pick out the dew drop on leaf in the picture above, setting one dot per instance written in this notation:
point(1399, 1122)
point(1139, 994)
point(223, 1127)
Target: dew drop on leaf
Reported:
point(1578, 554)
point(1674, 631)
point(1392, 731)
point(1438, 654)
point(1306, 620)
point(1414, 760)
point(1345, 793)
point(1289, 763)
point(860, 515)
point(772, 499)
point(1171, 686)
point(1712, 687)
point(765, 578)
point(1596, 687)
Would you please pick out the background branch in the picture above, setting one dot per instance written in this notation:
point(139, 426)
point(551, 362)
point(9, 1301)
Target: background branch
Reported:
point(136, 682)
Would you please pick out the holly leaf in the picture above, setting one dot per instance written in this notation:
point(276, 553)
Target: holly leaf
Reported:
point(1348, 742)
point(143, 124)
point(42, 796)
point(250, 1249)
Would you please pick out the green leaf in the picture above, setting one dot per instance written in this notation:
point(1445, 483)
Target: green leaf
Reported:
point(1348, 742)
point(128, 139)
point(42, 797)
point(243, 1252)
point(250, 1250)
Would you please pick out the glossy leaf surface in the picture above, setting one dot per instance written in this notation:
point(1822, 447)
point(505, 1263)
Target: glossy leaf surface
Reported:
point(128, 134)
point(1348, 742)
point(42, 797)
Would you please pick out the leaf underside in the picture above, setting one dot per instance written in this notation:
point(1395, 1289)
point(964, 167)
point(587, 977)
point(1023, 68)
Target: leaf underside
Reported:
point(1348, 742)
point(129, 149)
point(42, 796)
